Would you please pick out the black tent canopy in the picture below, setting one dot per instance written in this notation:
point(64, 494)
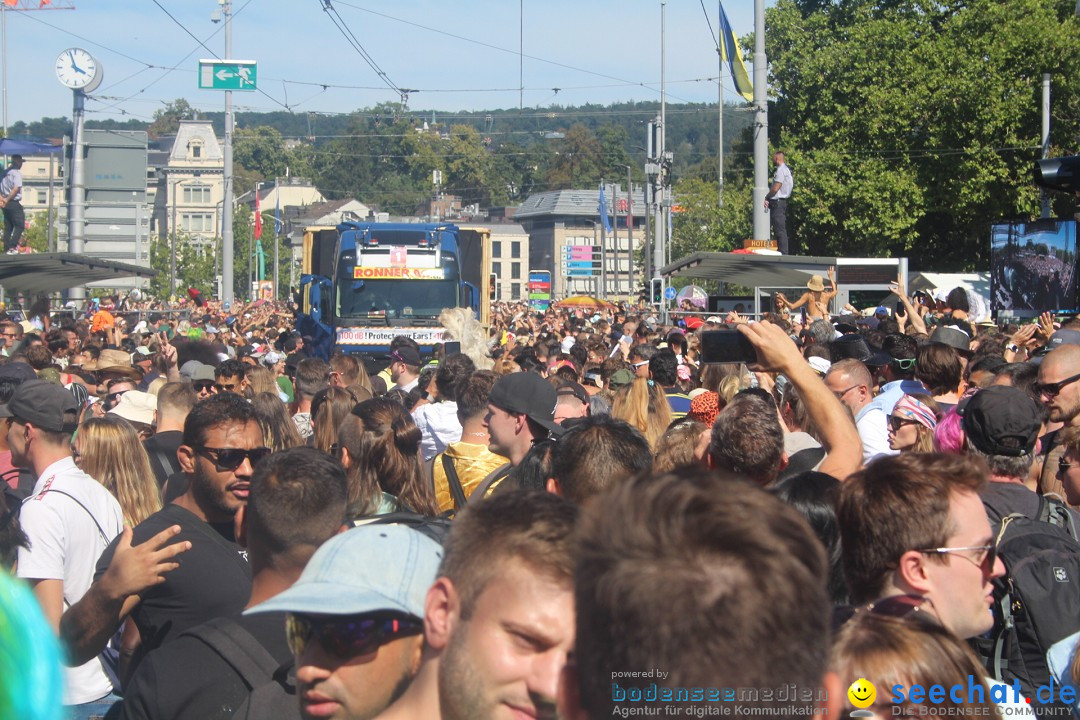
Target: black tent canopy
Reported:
point(50, 272)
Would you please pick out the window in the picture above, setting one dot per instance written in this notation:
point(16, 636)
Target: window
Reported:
point(196, 222)
point(196, 195)
point(43, 197)
point(515, 249)
point(496, 248)
point(515, 271)
point(496, 268)
point(515, 291)
point(196, 150)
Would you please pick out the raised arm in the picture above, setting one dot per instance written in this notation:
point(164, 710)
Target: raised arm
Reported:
point(88, 624)
point(897, 289)
point(776, 352)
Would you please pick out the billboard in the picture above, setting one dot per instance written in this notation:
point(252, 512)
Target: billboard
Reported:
point(1033, 267)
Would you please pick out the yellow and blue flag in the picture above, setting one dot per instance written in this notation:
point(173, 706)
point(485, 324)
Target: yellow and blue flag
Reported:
point(731, 53)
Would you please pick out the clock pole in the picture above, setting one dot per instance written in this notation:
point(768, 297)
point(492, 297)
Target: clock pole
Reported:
point(77, 188)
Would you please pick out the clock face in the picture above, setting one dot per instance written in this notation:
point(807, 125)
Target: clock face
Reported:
point(77, 69)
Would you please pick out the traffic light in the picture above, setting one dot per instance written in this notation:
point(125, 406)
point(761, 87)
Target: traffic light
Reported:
point(657, 293)
point(1058, 173)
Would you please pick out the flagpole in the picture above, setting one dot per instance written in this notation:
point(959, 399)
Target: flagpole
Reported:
point(720, 113)
point(277, 231)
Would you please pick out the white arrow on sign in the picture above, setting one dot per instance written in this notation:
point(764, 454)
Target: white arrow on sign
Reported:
point(223, 74)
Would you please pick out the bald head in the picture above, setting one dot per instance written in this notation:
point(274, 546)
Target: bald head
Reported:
point(852, 383)
point(1059, 374)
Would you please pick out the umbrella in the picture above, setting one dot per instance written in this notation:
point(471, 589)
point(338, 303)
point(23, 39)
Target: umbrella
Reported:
point(697, 296)
point(584, 301)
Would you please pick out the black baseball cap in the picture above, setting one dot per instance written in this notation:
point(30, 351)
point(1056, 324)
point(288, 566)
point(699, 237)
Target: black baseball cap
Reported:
point(41, 403)
point(1002, 420)
point(571, 388)
point(527, 394)
point(406, 354)
point(17, 372)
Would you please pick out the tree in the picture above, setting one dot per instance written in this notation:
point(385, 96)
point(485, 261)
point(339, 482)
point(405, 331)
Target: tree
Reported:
point(195, 266)
point(910, 125)
point(578, 160)
point(261, 151)
point(167, 120)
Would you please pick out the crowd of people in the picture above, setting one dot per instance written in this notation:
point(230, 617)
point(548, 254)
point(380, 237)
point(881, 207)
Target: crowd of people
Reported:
point(577, 516)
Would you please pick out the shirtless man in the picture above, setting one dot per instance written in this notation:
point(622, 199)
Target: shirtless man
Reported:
point(816, 299)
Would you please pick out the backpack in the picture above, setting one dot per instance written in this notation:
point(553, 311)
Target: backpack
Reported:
point(256, 667)
point(436, 528)
point(1037, 601)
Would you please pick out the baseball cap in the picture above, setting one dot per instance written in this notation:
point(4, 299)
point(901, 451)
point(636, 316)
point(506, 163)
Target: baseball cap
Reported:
point(406, 354)
point(527, 394)
point(188, 368)
point(1063, 337)
point(41, 403)
point(17, 371)
point(1002, 420)
point(206, 372)
point(693, 323)
point(136, 406)
point(571, 388)
point(370, 568)
point(620, 377)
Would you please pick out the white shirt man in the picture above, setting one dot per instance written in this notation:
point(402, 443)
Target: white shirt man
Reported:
point(850, 381)
point(70, 519)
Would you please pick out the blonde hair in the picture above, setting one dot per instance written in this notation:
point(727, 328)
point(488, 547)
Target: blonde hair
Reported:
point(110, 452)
point(643, 404)
point(260, 380)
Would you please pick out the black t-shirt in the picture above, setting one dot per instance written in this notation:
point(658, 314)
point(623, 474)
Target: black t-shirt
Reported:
point(164, 444)
point(1005, 498)
point(189, 680)
point(213, 580)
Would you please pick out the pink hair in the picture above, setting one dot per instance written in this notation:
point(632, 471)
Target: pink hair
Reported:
point(949, 435)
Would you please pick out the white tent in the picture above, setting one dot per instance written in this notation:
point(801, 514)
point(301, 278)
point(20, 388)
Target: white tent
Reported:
point(976, 284)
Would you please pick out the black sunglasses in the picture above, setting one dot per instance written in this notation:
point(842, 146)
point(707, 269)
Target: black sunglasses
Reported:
point(1052, 389)
point(232, 458)
point(898, 422)
point(346, 636)
point(203, 385)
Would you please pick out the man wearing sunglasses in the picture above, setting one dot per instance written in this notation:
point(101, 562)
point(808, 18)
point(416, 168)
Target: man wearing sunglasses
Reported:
point(914, 524)
point(298, 499)
point(354, 623)
point(499, 620)
point(1059, 391)
point(222, 442)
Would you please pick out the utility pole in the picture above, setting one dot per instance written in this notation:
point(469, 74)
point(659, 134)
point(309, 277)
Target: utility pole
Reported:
point(629, 234)
point(277, 240)
point(227, 205)
point(77, 187)
point(761, 125)
point(1045, 214)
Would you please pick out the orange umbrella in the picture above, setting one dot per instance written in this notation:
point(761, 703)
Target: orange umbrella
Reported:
point(585, 301)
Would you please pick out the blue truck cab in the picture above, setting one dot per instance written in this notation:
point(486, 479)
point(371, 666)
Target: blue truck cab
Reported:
point(365, 283)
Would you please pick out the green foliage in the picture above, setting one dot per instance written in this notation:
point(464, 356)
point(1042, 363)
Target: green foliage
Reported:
point(194, 265)
point(167, 120)
point(911, 125)
point(37, 235)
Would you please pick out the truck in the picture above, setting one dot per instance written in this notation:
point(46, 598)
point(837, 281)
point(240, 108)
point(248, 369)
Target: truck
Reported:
point(364, 283)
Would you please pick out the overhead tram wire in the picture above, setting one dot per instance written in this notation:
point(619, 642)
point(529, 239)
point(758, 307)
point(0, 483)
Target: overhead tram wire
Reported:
point(496, 47)
point(350, 37)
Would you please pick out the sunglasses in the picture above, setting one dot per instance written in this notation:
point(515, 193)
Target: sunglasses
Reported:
point(346, 636)
point(1052, 389)
point(984, 559)
point(905, 364)
point(228, 459)
point(203, 385)
point(114, 397)
point(898, 422)
point(895, 606)
point(223, 387)
point(1063, 465)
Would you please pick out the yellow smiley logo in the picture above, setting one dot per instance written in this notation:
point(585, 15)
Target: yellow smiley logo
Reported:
point(862, 693)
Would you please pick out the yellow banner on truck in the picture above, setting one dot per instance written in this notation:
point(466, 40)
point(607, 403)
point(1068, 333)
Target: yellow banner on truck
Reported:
point(397, 273)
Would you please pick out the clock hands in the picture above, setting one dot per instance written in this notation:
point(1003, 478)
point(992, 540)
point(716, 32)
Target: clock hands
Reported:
point(74, 65)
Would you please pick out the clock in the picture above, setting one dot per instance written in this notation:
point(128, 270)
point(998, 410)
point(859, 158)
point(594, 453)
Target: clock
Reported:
point(78, 70)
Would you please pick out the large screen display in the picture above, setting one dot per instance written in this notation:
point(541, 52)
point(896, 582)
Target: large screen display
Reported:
point(1033, 267)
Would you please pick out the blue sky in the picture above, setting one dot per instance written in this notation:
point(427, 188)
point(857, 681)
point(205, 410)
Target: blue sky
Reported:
point(612, 50)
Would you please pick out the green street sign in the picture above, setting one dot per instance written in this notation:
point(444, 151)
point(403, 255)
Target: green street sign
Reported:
point(227, 74)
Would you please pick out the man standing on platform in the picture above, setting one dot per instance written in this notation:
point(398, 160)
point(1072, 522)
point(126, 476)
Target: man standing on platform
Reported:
point(776, 202)
point(11, 202)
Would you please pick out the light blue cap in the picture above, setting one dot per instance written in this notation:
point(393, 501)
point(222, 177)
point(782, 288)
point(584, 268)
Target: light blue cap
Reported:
point(370, 568)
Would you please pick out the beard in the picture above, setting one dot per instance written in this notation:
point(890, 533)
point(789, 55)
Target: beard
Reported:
point(461, 690)
point(208, 495)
